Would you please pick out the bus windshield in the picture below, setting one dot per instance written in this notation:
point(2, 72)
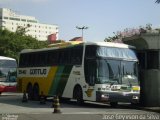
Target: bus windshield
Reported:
point(117, 72)
point(112, 65)
point(8, 70)
point(8, 63)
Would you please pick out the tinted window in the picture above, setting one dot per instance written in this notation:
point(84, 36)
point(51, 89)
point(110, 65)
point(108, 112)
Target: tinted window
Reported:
point(65, 56)
point(8, 63)
point(90, 51)
point(93, 51)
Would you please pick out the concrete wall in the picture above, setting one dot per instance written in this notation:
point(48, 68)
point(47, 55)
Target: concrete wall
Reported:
point(149, 78)
point(153, 40)
point(150, 87)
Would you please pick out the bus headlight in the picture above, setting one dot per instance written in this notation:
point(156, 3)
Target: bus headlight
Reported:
point(106, 96)
point(135, 97)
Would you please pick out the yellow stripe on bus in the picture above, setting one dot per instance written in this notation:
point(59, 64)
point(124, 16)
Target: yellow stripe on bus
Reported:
point(50, 77)
point(43, 82)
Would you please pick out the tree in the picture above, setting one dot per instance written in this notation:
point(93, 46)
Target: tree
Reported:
point(12, 43)
point(157, 1)
point(22, 30)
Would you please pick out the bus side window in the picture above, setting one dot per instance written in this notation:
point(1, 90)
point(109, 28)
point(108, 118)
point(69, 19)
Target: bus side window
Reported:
point(90, 72)
point(61, 57)
point(23, 60)
point(55, 58)
point(76, 55)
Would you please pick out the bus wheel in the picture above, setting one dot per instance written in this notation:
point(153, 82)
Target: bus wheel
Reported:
point(78, 95)
point(30, 91)
point(114, 104)
point(36, 92)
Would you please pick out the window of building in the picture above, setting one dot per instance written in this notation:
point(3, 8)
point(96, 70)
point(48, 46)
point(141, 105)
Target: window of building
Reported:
point(33, 21)
point(5, 17)
point(17, 19)
point(23, 20)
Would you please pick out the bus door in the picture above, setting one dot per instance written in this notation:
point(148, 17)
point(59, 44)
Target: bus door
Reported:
point(90, 78)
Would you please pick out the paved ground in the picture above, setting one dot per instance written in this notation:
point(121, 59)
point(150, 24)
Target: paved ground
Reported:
point(12, 107)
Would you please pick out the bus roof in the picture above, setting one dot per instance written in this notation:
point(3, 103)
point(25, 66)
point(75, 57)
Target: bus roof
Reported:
point(73, 43)
point(6, 58)
point(110, 44)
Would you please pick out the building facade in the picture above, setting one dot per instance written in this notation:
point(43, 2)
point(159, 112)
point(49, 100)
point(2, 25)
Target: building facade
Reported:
point(10, 20)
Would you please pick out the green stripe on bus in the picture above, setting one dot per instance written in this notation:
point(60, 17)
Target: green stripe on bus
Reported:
point(64, 79)
point(56, 80)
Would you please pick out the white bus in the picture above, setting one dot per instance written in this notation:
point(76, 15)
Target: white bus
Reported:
point(86, 71)
point(8, 74)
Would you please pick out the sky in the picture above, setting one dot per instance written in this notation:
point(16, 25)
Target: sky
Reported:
point(102, 17)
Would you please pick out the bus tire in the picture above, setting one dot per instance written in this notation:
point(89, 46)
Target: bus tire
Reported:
point(36, 92)
point(78, 95)
point(29, 91)
point(114, 104)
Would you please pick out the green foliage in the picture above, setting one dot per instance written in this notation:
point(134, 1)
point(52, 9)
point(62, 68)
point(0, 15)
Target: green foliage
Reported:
point(111, 39)
point(22, 30)
point(12, 43)
point(128, 32)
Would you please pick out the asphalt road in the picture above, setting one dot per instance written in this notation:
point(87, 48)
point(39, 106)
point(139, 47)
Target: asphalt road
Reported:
point(12, 108)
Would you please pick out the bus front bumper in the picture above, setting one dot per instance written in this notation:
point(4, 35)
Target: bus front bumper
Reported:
point(7, 88)
point(2, 88)
point(117, 97)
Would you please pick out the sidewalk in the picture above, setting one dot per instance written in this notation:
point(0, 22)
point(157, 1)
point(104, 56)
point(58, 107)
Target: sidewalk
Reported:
point(153, 109)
